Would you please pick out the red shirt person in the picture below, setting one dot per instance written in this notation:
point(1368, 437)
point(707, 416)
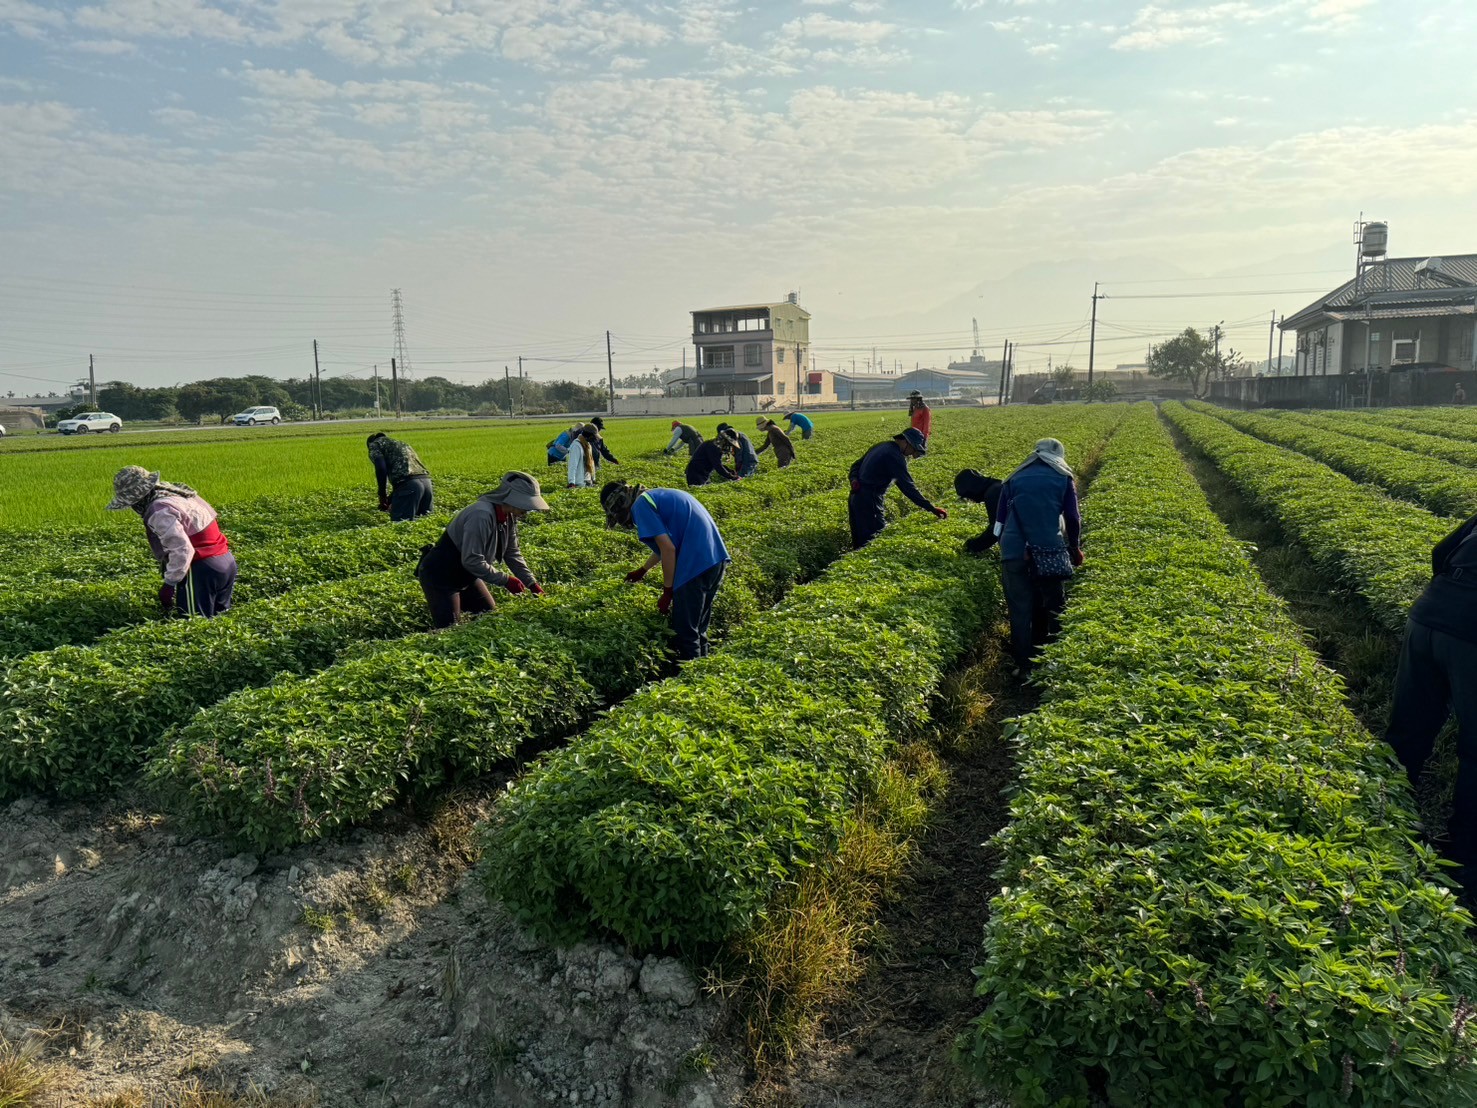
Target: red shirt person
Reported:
point(187, 542)
point(920, 414)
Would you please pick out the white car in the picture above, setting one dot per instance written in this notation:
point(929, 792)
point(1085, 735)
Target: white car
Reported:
point(90, 421)
point(252, 416)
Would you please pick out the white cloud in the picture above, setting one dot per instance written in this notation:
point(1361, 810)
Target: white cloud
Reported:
point(106, 46)
point(1157, 27)
point(822, 26)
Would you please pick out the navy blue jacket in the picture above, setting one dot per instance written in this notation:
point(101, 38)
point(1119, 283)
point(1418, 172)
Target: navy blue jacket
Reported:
point(706, 460)
point(1449, 603)
point(878, 468)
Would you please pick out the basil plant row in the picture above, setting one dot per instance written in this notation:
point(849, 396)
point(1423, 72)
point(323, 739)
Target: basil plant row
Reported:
point(1370, 544)
point(1212, 890)
point(676, 818)
point(290, 762)
point(1437, 485)
point(77, 719)
point(1357, 424)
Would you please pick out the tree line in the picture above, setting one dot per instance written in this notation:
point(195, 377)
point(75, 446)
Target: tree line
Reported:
point(221, 397)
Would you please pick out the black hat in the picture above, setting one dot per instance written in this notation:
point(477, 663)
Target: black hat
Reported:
point(598, 422)
point(971, 484)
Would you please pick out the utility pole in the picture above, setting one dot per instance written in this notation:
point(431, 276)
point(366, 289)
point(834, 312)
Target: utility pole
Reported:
point(1271, 332)
point(1004, 358)
point(1092, 337)
point(395, 385)
point(315, 388)
point(1280, 336)
point(610, 369)
point(521, 395)
point(376, 388)
point(508, 380)
point(798, 393)
point(91, 382)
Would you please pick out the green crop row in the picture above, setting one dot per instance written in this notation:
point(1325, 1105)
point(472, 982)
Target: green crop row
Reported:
point(1370, 544)
point(296, 759)
point(279, 765)
point(1212, 890)
point(675, 819)
point(75, 719)
point(80, 612)
point(1360, 426)
point(1440, 486)
point(1451, 423)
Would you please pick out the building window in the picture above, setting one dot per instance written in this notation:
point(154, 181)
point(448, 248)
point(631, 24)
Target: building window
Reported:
point(780, 388)
point(751, 354)
point(779, 354)
point(1407, 351)
point(718, 357)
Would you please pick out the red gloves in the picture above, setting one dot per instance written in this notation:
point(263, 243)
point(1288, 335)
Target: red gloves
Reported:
point(166, 598)
point(664, 605)
point(513, 585)
point(1077, 558)
point(634, 576)
point(941, 513)
point(538, 590)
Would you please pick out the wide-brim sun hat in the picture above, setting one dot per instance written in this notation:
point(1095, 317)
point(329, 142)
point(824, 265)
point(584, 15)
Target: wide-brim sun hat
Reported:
point(915, 440)
point(760, 421)
point(915, 395)
point(130, 485)
point(520, 491)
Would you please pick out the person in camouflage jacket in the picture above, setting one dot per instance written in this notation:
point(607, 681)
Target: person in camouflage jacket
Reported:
point(404, 482)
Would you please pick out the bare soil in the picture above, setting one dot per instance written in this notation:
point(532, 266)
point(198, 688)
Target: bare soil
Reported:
point(891, 1045)
point(371, 971)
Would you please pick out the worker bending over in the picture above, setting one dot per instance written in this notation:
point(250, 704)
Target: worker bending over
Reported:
point(974, 487)
point(685, 542)
point(185, 539)
point(796, 420)
point(745, 457)
point(399, 467)
point(784, 449)
point(682, 434)
point(456, 572)
point(707, 463)
point(873, 474)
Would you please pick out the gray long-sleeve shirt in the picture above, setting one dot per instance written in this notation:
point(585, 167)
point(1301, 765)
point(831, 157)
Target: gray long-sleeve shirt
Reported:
point(483, 541)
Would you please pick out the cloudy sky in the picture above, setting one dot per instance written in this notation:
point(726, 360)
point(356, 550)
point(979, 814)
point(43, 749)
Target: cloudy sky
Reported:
point(201, 187)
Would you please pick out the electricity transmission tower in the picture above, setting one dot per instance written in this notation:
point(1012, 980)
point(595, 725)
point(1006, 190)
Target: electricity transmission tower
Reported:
point(402, 356)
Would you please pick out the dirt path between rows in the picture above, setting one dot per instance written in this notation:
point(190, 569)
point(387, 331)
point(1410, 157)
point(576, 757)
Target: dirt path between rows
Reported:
point(890, 1046)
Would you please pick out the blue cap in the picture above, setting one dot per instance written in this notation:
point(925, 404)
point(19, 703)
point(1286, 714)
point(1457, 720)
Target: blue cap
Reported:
point(915, 440)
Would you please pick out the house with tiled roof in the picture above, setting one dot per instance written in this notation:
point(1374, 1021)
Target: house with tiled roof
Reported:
point(1398, 312)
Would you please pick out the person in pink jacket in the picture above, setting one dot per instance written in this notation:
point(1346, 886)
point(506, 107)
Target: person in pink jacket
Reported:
point(187, 542)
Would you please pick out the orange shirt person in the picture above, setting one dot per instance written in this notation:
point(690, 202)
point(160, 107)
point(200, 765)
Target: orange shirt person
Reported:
point(920, 413)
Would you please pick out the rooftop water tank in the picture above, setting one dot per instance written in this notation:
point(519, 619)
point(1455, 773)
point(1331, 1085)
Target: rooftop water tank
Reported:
point(1376, 240)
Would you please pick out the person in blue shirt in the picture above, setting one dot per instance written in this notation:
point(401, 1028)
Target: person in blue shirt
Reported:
point(685, 542)
point(795, 419)
point(873, 474)
point(1040, 528)
point(558, 446)
point(745, 457)
point(594, 431)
